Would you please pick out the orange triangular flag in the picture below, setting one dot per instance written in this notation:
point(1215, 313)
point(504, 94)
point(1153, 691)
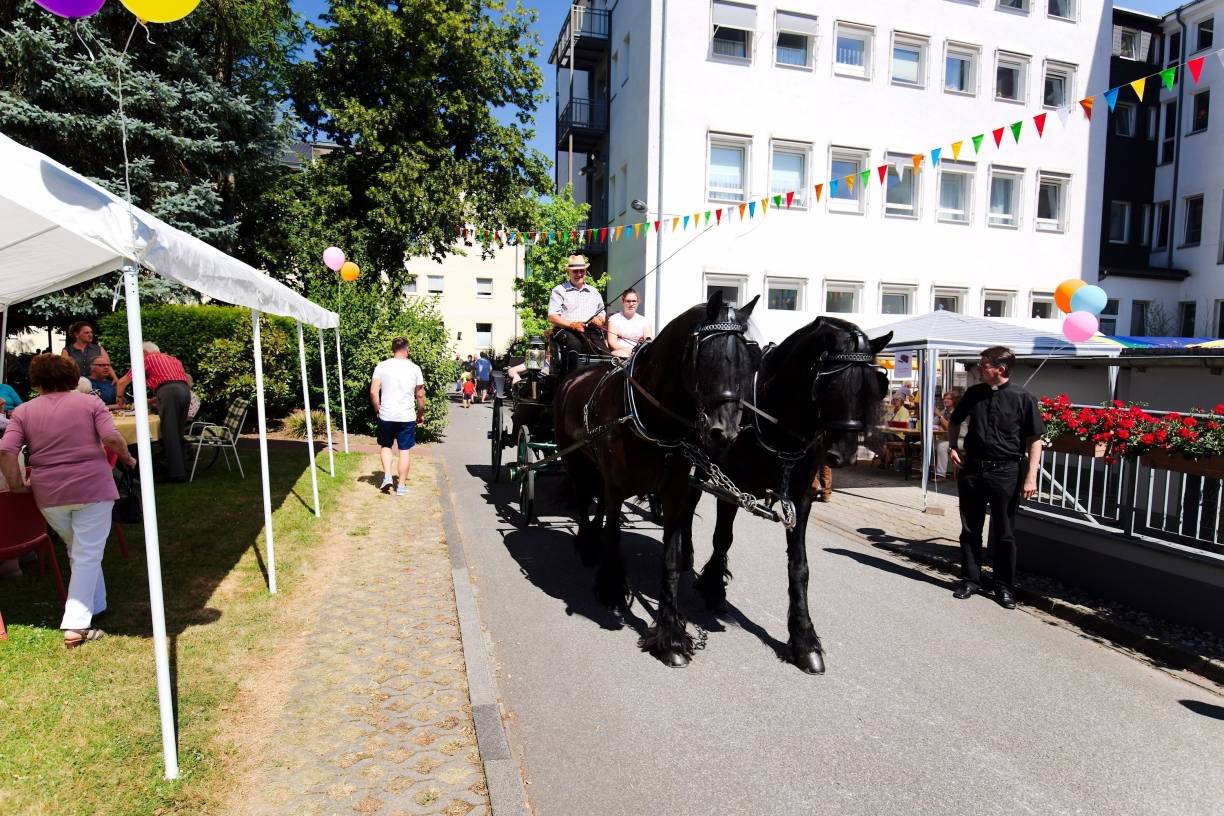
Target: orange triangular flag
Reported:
point(917, 161)
point(819, 187)
point(742, 208)
point(1039, 121)
point(850, 182)
point(1086, 104)
point(1196, 68)
point(1138, 85)
point(956, 148)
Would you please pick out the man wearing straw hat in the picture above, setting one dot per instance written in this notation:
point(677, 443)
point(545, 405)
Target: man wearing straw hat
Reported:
point(574, 307)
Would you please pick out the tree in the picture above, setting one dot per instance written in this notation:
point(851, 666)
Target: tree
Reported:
point(545, 261)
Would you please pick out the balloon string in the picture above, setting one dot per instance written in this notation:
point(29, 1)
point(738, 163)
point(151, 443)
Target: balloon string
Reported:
point(76, 29)
point(127, 175)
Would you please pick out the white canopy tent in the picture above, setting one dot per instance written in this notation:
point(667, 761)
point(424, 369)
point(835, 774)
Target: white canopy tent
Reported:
point(964, 336)
point(57, 229)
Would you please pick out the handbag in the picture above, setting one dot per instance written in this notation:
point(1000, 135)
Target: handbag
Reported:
point(127, 509)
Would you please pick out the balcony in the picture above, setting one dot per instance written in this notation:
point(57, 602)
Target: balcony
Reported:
point(584, 119)
point(584, 37)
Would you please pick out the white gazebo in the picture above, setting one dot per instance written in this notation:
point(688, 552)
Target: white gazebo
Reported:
point(57, 229)
point(964, 336)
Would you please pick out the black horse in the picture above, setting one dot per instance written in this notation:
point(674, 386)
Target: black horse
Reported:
point(815, 393)
point(684, 387)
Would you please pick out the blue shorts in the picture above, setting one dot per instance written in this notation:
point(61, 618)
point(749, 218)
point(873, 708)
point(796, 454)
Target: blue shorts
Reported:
point(402, 433)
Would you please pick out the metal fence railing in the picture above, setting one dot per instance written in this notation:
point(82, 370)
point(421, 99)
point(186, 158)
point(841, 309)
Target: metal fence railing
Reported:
point(582, 113)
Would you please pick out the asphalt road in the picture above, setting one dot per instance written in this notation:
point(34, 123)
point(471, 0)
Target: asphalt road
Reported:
point(930, 705)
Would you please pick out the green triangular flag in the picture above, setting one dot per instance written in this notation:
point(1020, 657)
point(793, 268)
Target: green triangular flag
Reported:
point(1168, 76)
point(777, 201)
point(865, 177)
point(707, 216)
point(977, 143)
point(1016, 130)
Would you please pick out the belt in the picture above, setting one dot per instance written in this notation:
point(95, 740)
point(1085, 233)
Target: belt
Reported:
point(991, 464)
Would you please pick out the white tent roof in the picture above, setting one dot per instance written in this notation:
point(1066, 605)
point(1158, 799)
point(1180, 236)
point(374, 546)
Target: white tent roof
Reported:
point(57, 228)
point(958, 334)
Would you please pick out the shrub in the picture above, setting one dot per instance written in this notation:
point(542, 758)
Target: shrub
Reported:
point(295, 424)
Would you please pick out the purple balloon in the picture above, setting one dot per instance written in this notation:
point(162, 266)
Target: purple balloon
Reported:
point(333, 257)
point(71, 8)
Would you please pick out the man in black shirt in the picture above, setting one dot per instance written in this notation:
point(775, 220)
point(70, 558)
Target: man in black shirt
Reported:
point(998, 466)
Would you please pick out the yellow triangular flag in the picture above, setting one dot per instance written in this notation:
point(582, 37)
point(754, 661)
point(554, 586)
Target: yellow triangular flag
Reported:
point(616, 235)
point(1138, 85)
point(956, 147)
point(850, 182)
point(675, 223)
point(636, 229)
point(764, 205)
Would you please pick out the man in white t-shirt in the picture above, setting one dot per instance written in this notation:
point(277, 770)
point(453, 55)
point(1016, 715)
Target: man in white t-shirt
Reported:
point(397, 384)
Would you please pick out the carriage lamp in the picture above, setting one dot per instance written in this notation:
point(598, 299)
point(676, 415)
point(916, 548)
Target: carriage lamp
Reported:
point(535, 354)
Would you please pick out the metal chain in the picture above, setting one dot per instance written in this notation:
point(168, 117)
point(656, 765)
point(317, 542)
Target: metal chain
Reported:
point(747, 501)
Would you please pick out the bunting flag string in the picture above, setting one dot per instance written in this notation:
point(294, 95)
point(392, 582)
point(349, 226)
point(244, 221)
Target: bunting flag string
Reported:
point(747, 210)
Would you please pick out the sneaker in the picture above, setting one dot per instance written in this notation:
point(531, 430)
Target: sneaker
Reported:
point(386, 484)
point(402, 490)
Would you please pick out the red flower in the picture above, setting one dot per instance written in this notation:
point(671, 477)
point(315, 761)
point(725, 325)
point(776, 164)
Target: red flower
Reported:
point(1213, 425)
point(1219, 409)
point(1189, 422)
point(1161, 435)
point(1147, 439)
point(1118, 403)
point(1124, 434)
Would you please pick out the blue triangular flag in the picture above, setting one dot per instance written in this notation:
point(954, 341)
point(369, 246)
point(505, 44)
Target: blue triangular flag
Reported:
point(1111, 98)
point(935, 155)
point(686, 220)
point(752, 209)
point(833, 188)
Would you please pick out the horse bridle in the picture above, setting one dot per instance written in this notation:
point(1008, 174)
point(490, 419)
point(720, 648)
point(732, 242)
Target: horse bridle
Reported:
point(832, 363)
point(701, 334)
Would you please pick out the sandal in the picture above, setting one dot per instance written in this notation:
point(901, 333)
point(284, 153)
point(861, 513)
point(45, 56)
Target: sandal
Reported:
point(83, 636)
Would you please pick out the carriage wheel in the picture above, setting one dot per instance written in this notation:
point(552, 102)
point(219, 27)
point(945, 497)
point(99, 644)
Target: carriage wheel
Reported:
point(497, 436)
point(526, 456)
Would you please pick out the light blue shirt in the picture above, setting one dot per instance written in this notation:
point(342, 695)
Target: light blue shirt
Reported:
point(11, 400)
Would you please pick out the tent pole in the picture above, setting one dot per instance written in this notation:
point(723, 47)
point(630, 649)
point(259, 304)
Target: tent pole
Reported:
point(148, 503)
point(331, 454)
point(340, 367)
point(4, 343)
point(314, 477)
point(269, 545)
point(926, 410)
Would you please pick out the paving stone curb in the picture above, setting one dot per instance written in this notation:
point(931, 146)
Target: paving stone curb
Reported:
point(507, 796)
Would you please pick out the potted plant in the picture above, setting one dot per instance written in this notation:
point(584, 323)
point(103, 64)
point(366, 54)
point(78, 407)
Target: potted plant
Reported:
point(1189, 444)
point(1081, 431)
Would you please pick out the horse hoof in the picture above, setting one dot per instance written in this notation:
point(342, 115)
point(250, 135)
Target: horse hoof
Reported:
point(810, 662)
point(674, 660)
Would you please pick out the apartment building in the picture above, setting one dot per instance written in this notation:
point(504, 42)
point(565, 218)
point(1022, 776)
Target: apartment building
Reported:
point(702, 104)
point(475, 296)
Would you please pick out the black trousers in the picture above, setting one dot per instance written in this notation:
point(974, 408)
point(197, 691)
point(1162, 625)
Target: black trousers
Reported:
point(995, 485)
point(568, 344)
point(173, 399)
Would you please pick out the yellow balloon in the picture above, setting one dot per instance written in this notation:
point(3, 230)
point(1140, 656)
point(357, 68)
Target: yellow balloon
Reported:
point(349, 271)
point(160, 11)
point(1062, 295)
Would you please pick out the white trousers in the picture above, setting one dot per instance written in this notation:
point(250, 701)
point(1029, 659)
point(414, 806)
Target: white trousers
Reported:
point(85, 528)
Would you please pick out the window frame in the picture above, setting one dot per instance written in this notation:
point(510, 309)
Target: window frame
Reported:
point(429, 284)
point(733, 142)
point(1173, 48)
point(477, 333)
point(1017, 175)
point(1046, 298)
point(959, 293)
point(1125, 112)
point(726, 280)
point(868, 36)
point(973, 54)
point(1125, 239)
point(862, 157)
point(748, 33)
point(1145, 225)
point(804, 151)
point(1181, 317)
point(1198, 34)
point(812, 41)
point(1025, 7)
point(908, 291)
point(1056, 225)
point(1068, 73)
point(1022, 62)
point(1008, 296)
point(482, 295)
point(969, 172)
point(1193, 111)
point(837, 286)
point(919, 42)
point(1073, 13)
point(788, 282)
point(902, 162)
point(1139, 309)
point(1160, 208)
point(1167, 148)
point(1187, 201)
point(1136, 38)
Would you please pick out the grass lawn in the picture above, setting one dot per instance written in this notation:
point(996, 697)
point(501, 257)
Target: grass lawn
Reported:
point(79, 730)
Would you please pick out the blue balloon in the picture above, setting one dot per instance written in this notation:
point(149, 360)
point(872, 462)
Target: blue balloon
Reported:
point(1089, 299)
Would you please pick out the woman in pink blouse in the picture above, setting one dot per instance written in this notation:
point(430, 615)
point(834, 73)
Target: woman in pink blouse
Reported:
point(627, 329)
point(65, 433)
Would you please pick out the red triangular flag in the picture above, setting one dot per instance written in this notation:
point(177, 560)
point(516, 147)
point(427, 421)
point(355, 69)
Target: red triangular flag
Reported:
point(998, 134)
point(718, 215)
point(603, 235)
point(1039, 121)
point(656, 226)
point(1196, 68)
point(883, 171)
point(1086, 104)
point(789, 198)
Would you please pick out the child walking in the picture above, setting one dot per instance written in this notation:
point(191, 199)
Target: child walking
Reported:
point(469, 388)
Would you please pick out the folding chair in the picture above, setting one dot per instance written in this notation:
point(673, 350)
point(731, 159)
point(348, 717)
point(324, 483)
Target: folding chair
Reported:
point(223, 436)
point(25, 530)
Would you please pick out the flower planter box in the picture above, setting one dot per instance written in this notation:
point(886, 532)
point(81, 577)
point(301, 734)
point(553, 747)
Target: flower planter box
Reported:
point(1210, 466)
point(1068, 443)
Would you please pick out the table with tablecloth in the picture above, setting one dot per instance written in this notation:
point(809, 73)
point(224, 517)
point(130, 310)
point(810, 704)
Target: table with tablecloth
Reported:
point(126, 425)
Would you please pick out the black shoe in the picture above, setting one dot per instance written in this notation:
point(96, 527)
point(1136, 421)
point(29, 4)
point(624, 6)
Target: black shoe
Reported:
point(964, 590)
point(1005, 598)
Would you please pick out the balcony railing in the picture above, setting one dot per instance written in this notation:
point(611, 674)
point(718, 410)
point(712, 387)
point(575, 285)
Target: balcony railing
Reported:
point(583, 114)
point(582, 21)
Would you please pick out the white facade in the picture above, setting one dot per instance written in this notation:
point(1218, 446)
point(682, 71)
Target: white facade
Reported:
point(475, 296)
point(862, 255)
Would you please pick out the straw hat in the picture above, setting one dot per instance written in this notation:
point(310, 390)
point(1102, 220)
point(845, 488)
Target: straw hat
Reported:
point(577, 262)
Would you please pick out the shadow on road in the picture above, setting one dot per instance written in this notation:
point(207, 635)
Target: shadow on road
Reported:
point(1215, 712)
point(891, 566)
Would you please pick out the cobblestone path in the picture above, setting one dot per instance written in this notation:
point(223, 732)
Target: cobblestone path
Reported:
point(378, 721)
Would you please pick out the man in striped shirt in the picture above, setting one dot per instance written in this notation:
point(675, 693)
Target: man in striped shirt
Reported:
point(167, 381)
point(574, 307)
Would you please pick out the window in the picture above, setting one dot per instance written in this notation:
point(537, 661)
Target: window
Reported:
point(842, 298)
point(1059, 84)
point(784, 294)
point(1145, 226)
point(1160, 226)
point(728, 170)
point(1124, 119)
point(1201, 110)
point(1128, 44)
point(1153, 124)
point(434, 284)
point(998, 304)
point(853, 50)
point(734, 24)
point(788, 172)
point(410, 288)
point(484, 287)
point(1062, 9)
point(909, 60)
point(1186, 313)
point(731, 286)
point(960, 69)
point(1052, 201)
point(947, 300)
point(1015, 5)
point(1174, 53)
point(1004, 197)
point(1139, 312)
point(1204, 34)
point(1168, 134)
point(1011, 71)
point(901, 189)
point(1042, 305)
point(1194, 222)
point(796, 39)
point(955, 192)
point(849, 197)
point(1108, 321)
point(484, 336)
point(896, 300)
point(1119, 222)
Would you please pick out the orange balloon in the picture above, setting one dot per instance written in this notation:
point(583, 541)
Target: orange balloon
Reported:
point(349, 271)
point(1062, 295)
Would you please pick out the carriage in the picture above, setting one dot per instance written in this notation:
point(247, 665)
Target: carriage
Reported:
point(522, 421)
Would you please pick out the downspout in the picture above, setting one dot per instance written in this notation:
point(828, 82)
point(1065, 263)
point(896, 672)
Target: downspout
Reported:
point(658, 288)
point(1177, 144)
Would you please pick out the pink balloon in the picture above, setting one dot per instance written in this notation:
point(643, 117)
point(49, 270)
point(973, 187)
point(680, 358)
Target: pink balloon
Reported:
point(1080, 326)
point(334, 258)
point(71, 8)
